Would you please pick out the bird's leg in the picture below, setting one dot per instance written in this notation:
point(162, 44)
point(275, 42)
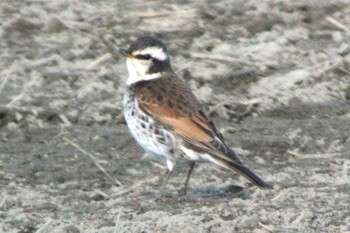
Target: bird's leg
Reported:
point(161, 191)
point(190, 170)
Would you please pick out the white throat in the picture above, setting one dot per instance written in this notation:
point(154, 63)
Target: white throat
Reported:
point(138, 72)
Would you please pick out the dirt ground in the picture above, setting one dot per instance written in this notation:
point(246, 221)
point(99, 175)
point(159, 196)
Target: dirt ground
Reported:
point(274, 75)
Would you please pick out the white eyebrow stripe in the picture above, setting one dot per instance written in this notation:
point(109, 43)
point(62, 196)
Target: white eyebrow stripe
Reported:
point(155, 52)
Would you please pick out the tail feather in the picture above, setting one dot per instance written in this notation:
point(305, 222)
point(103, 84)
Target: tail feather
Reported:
point(246, 172)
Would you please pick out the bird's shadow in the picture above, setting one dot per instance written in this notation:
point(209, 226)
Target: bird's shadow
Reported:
point(212, 192)
point(217, 192)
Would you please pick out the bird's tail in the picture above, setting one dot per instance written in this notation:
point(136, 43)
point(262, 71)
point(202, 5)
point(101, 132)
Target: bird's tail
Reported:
point(241, 169)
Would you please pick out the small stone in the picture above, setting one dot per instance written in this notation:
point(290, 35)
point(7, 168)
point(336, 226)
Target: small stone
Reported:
point(204, 94)
point(71, 229)
point(344, 49)
point(297, 34)
point(55, 25)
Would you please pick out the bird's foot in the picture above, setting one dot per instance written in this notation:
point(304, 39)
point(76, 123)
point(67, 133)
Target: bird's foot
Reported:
point(183, 192)
point(161, 196)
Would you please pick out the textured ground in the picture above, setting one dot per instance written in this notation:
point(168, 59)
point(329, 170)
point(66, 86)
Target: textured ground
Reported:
point(275, 76)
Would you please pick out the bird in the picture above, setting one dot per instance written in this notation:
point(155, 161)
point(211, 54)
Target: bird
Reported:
point(167, 120)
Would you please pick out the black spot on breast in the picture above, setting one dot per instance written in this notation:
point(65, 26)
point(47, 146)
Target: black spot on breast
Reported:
point(156, 131)
point(143, 125)
point(144, 118)
point(161, 140)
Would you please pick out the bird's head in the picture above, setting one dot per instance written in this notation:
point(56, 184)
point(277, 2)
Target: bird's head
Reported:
point(147, 58)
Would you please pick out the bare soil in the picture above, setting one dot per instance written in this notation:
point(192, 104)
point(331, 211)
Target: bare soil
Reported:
point(274, 75)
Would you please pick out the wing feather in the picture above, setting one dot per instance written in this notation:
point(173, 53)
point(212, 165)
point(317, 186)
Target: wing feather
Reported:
point(173, 104)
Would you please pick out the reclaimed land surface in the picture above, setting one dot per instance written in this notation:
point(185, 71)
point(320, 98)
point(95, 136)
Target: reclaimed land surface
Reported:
point(274, 75)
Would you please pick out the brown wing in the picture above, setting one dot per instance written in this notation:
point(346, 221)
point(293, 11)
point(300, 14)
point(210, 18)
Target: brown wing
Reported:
point(172, 103)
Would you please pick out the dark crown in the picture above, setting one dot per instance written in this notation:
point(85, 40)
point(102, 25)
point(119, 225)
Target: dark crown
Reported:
point(145, 42)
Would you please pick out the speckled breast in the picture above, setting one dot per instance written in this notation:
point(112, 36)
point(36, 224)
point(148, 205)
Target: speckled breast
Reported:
point(151, 136)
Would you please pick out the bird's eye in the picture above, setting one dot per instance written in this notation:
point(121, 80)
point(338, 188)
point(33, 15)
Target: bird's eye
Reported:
point(143, 56)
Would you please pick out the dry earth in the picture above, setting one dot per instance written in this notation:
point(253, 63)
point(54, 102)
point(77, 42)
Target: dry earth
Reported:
point(275, 76)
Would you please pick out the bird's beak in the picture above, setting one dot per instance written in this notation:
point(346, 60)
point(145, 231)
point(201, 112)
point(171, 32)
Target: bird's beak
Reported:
point(125, 53)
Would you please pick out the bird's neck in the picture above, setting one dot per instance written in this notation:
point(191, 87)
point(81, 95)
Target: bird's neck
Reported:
point(134, 77)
